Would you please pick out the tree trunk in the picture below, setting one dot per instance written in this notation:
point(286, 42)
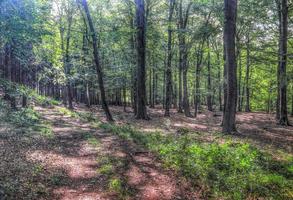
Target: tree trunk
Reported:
point(283, 120)
point(141, 54)
point(87, 95)
point(247, 106)
point(219, 81)
point(97, 62)
point(168, 96)
point(183, 56)
point(150, 87)
point(209, 96)
point(197, 90)
point(292, 104)
point(239, 81)
point(153, 88)
point(197, 78)
point(229, 116)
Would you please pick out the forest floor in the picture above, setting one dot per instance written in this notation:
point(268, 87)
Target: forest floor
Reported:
point(76, 159)
point(259, 128)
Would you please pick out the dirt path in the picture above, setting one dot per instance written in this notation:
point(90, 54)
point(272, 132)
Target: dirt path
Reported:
point(86, 163)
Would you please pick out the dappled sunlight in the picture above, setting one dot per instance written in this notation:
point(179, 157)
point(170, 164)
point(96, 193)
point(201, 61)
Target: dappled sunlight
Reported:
point(75, 167)
point(66, 193)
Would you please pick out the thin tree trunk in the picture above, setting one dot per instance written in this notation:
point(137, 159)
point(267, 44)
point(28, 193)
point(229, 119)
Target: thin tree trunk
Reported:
point(153, 88)
point(239, 81)
point(197, 78)
point(97, 62)
point(229, 117)
point(87, 96)
point(219, 81)
point(247, 106)
point(209, 96)
point(150, 86)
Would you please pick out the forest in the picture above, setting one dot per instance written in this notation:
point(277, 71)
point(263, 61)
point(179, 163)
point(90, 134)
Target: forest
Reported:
point(146, 99)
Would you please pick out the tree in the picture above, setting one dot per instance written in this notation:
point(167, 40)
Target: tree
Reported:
point(282, 78)
point(230, 10)
point(183, 58)
point(169, 61)
point(97, 61)
point(141, 112)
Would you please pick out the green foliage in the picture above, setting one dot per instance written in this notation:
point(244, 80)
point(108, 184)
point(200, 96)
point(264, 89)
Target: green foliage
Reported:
point(115, 185)
point(85, 116)
point(231, 170)
point(27, 120)
point(17, 91)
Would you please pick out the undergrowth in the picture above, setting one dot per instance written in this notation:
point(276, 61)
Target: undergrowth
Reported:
point(17, 91)
point(229, 170)
point(84, 116)
point(25, 120)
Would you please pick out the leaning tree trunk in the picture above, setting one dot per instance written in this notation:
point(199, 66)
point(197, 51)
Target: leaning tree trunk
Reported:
point(229, 116)
point(141, 68)
point(169, 62)
point(97, 61)
point(283, 120)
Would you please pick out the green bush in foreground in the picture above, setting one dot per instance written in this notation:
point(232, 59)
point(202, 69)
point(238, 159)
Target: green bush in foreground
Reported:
point(229, 170)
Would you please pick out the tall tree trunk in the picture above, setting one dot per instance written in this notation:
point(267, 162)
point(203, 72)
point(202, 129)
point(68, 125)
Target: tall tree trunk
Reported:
point(247, 105)
point(199, 58)
point(239, 81)
point(97, 62)
point(292, 104)
point(197, 89)
point(169, 62)
point(141, 54)
point(150, 86)
point(220, 85)
point(209, 96)
point(87, 95)
point(229, 117)
point(180, 109)
point(153, 88)
point(279, 9)
point(283, 120)
point(183, 56)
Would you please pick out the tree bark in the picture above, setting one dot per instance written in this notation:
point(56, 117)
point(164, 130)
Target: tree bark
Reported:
point(199, 58)
point(283, 120)
point(141, 54)
point(168, 96)
point(247, 105)
point(239, 81)
point(183, 56)
point(97, 62)
point(209, 96)
point(230, 9)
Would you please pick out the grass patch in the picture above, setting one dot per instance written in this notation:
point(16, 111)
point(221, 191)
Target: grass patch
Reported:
point(25, 120)
point(230, 170)
point(84, 116)
point(93, 141)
